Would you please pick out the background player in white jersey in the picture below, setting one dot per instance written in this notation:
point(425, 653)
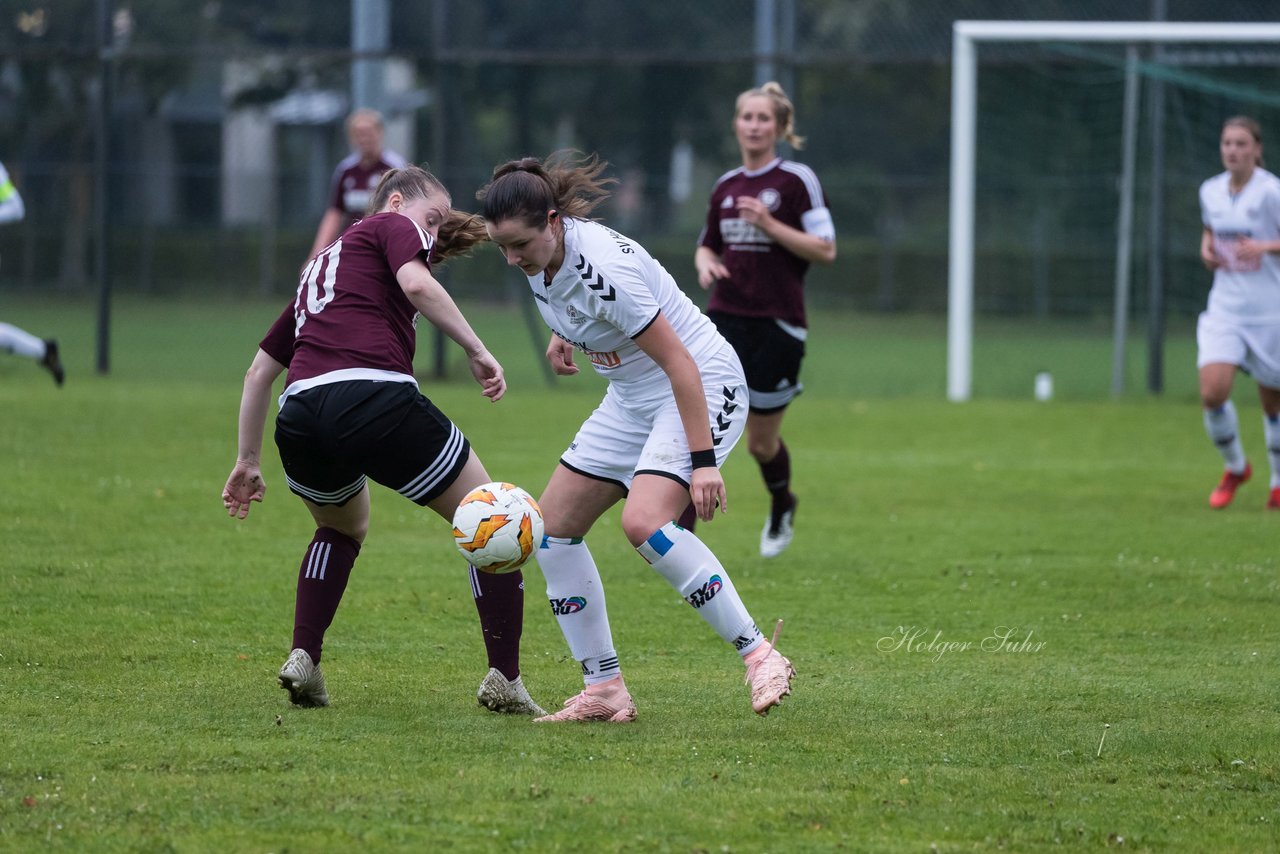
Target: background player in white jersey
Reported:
point(672, 412)
point(12, 339)
point(766, 222)
point(1240, 329)
point(351, 410)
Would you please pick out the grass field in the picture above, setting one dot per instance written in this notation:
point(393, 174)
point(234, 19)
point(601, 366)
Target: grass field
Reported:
point(977, 593)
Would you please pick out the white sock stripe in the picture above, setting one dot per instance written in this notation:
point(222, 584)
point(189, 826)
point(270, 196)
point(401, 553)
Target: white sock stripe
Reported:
point(318, 561)
point(434, 473)
point(337, 496)
point(476, 593)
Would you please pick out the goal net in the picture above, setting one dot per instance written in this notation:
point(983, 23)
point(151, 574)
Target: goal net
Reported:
point(1077, 152)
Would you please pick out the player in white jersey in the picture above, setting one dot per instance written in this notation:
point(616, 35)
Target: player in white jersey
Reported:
point(675, 406)
point(1240, 329)
point(12, 339)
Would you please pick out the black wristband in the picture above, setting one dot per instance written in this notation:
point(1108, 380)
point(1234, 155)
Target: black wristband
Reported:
point(703, 459)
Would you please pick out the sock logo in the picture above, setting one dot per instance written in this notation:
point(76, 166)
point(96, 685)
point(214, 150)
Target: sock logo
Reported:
point(705, 593)
point(568, 605)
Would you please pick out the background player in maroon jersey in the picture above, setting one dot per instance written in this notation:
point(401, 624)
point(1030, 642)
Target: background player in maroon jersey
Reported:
point(351, 410)
point(766, 222)
point(355, 176)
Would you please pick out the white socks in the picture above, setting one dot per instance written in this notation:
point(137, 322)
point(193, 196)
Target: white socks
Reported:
point(1271, 430)
point(577, 599)
point(20, 343)
point(1223, 428)
point(691, 568)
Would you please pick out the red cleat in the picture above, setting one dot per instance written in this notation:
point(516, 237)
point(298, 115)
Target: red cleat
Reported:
point(1226, 488)
point(1273, 503)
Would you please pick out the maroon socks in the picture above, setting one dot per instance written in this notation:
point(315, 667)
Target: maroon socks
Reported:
point(322, 579)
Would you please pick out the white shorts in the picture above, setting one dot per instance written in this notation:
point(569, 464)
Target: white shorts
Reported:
point(1256, 349)
point(624, 438)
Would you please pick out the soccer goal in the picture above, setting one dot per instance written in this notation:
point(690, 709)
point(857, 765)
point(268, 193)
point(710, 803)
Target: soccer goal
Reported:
point(1045, 157)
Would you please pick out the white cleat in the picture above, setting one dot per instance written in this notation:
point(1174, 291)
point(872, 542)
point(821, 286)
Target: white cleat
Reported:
point(497, 694)
point(778, 532)
point(304, 680)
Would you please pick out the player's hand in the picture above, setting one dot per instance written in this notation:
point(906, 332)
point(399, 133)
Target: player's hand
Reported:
point(753, 211)
point(244, 485)
point(488, 373)
point(706, 490)
point(560, 355)
point(1250, 251)
point(710, 273)
point(1210, 259)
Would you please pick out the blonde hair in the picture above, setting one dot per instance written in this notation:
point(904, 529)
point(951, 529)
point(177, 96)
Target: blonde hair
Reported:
point(458, 234)
point(365, 114)
point(1249, 124)
point(784, 113)
point(567, 182)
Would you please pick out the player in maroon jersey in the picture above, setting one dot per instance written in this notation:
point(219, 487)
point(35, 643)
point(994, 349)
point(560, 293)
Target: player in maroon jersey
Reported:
point(351, 411)
point(766, 222)
point(355, 176)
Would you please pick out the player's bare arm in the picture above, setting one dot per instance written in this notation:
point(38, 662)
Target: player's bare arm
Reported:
point(660, 342)
point(434, 303)
point(808, 246)
point(1250, 250)
point(245, 484)
point(1207, 255)
point(709, 266)
point(327, 232)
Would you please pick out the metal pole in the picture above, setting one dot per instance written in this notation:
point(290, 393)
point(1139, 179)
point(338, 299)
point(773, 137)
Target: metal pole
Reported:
point(101, 183)
point(439, 159)
point(1156, 226)
point(1124, 226)
point(370, 32)
point(964, 132)
point(766, 41)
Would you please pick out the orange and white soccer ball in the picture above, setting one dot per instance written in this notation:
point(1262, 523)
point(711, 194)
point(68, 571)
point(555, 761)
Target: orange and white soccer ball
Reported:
point(497, 527)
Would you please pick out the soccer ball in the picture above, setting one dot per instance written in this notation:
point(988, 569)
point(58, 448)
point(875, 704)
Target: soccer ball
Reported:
point(497, 526)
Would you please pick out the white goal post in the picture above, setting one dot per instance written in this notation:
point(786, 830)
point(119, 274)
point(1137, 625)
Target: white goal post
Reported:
point(964, 102)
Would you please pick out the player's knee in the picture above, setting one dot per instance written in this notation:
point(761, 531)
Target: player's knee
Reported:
point(1213, 397)
point(639, 523)
point(762, 448)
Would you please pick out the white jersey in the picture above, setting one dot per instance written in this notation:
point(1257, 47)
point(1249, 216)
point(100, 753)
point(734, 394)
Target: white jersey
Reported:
point(11, 207)
point(1243, 292)
point(608, 291)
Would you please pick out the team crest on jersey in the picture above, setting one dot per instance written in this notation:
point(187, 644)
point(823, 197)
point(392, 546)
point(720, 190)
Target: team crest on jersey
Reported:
point(770, 198)
point(727, 203)
point(575, 317)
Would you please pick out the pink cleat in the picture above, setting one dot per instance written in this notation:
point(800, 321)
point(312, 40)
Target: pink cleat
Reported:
point(769, 675)
point(607, 701)
point(1226, 488)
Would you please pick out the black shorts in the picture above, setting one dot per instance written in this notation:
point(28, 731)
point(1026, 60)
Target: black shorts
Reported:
point(770, 358)
point(332, 436)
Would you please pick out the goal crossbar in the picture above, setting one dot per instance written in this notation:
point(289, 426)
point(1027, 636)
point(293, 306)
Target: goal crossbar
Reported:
point(964, 96)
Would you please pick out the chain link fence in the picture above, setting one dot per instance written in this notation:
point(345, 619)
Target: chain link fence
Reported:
point(224, 122)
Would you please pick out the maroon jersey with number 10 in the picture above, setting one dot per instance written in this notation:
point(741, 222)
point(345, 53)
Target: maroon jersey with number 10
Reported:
point(765, 279)
point(350, 314)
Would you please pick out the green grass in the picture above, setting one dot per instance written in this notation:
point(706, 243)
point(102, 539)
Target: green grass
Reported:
point(140, 629)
